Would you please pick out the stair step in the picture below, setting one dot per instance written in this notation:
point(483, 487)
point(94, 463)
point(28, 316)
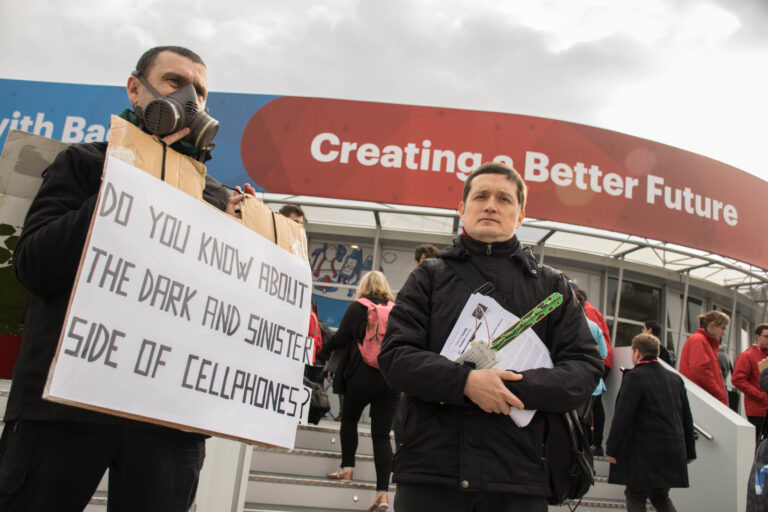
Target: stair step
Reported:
point(319, 481)
point(296, 491)
point(591, 504)
point(326, 436)
point(98, 502)
point(259, 507)
point(308, 462)
point(605, 491)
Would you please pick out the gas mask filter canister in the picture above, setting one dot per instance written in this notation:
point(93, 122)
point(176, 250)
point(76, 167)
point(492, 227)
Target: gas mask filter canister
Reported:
point(168, 114)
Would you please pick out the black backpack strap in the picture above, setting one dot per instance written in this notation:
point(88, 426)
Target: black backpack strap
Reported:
point(467, 271)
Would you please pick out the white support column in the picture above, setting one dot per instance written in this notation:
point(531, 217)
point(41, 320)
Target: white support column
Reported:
point(615, 325)
point(681, 333)
point(224, 478)
point(733, 337)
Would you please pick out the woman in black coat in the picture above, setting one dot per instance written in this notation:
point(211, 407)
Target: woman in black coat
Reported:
point(651, 439)
point(363, 384)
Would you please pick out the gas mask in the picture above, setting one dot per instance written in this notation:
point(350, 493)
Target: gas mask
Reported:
point(168, 114)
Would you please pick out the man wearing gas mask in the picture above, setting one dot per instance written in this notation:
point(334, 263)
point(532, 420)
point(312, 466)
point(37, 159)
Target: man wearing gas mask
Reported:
point(53, 456)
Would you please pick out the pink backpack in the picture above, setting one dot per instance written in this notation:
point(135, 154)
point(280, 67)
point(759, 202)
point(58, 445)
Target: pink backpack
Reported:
point(378, 314)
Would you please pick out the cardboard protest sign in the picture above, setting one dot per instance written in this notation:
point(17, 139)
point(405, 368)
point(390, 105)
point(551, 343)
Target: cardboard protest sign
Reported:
point(283, 231)
point(133, 146)
point(24, 158)
point(183, 316)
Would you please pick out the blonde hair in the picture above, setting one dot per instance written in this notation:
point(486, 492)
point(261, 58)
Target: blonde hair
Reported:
point(374, 286)
point(647, 344)
point(718, 318)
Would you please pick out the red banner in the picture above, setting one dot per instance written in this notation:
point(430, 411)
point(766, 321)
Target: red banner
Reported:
point(576, 174)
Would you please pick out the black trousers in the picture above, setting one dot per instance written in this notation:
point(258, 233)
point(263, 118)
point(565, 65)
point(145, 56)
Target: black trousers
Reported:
point(598, 418)
point(757, 421)
point(422, 497)
point(659, 497)
point(366, 386)
point(57, 465)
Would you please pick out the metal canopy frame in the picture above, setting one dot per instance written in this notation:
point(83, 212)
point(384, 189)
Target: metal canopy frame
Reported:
point(390, 222)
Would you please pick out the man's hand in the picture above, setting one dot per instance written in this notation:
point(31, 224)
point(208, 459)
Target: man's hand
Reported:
point(762, 365)
point(234, 202)
point(612, 460)
point(486, 388)
point(175, 136)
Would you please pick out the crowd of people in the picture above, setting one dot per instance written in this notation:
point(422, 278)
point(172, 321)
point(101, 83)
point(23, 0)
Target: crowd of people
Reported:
point(458, 449)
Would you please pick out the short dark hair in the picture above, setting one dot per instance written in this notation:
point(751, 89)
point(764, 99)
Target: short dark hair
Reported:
point(647, 344)
point(497, 168)
point(654, 326)
point(426, 250)
point(292, 209)
point(147, 60)
point(760, 328)
point(581, 295)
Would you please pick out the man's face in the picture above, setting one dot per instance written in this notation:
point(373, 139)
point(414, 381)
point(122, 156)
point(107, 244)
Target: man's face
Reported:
point(296, 218)
point(762, 338)
point(492, 212)
point(169, 73)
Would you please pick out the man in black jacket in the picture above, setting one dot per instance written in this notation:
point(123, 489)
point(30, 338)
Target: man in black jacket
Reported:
point(457, 447)
point(52, 456)
point(651, 440)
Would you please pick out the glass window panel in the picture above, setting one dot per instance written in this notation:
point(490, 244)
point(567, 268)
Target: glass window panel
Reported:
point(625, 331)
point(639, 302)
point(693, 310)
point(724, 310)
point(671, 340)
point(745, 336)
point(674, 309)
point(589, 282)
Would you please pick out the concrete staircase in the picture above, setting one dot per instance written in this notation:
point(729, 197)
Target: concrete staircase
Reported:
point(294, 480)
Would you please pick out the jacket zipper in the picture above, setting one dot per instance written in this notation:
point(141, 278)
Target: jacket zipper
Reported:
point(488, 249)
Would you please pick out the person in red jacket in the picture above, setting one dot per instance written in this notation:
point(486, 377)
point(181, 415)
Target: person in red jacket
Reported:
point(314, 329)
point(699, 362)
point(746, 376)
point(598, 413)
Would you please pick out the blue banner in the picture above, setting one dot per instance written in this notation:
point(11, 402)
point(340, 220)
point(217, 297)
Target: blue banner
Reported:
point(75, 113)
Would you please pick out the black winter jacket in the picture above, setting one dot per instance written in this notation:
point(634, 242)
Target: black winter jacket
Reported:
point(652, 431)
point(45, 262)
point(442, 437)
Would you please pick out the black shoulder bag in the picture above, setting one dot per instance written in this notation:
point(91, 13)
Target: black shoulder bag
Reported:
point(571, 466)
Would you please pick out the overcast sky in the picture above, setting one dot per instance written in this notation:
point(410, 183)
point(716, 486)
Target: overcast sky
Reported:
point(692, 74)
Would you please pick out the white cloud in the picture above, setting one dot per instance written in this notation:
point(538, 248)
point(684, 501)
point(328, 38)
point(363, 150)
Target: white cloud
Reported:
point(683, 72)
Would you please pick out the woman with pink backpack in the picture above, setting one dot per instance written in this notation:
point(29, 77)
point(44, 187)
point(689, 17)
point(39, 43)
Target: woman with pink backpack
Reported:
point(360, 333)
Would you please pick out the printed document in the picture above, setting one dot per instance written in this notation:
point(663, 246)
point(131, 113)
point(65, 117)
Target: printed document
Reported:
point(484, 318)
